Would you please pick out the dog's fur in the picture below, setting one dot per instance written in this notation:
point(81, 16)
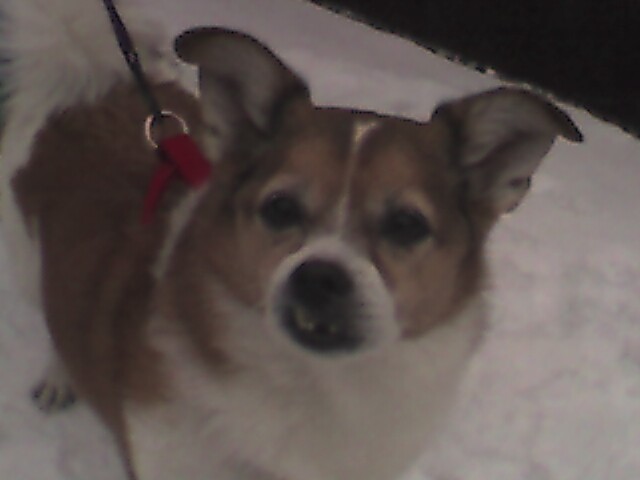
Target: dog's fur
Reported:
point(305, 316)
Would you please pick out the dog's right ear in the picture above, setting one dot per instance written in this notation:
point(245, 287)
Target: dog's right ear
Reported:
point(245, 88)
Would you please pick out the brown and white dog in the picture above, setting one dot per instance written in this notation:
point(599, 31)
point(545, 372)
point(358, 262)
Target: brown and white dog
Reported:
point(307, 314)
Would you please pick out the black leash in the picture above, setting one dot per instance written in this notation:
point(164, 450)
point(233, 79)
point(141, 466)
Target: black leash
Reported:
point(130, 54)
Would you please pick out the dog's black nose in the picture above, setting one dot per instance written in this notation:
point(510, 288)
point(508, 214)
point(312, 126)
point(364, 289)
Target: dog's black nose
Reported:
point(321, 311)
point(319, 283)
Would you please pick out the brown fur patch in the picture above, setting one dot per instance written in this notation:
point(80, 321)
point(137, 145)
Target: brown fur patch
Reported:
point(83, 190)
point(407, 164)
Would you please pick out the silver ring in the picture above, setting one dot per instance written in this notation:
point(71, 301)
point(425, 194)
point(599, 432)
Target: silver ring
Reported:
point(151, 120)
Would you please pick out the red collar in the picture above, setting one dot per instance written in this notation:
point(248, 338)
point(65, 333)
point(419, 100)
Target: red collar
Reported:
point(181, 159)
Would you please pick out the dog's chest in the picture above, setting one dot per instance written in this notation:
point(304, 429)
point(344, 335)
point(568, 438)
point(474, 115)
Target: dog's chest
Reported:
point(342, 421)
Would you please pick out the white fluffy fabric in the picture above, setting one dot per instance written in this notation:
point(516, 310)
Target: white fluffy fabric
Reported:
point(63, 51)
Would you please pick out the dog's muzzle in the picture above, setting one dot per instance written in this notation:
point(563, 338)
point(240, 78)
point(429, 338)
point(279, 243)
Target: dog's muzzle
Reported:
point(320, 307)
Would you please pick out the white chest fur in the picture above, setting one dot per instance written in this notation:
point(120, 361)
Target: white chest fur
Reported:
point(287, 417)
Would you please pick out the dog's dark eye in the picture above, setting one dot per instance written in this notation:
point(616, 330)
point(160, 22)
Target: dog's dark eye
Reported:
point(281, 211)
point(405, 227)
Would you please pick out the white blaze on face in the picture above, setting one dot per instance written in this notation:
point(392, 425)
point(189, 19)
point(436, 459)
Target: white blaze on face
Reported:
point(362, 129)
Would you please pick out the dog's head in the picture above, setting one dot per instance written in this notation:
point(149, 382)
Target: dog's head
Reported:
point(348, 230)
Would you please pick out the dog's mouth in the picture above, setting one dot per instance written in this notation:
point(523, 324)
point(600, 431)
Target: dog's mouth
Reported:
point(322, 332)
point(319, 308)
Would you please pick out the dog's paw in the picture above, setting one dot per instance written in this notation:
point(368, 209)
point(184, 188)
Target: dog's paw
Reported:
point(52, 398)
point(54, 392)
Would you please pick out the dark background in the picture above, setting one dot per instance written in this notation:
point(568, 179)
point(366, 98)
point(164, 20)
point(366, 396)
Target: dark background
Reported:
point(583, 51)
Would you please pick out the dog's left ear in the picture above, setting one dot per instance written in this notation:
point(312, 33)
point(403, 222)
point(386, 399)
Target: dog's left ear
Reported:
point(499, 139)
point(245, 88)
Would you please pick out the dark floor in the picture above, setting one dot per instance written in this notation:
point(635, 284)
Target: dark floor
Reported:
point(584, 51)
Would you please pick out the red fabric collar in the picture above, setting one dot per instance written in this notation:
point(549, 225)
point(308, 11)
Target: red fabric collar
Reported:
point(181, 160)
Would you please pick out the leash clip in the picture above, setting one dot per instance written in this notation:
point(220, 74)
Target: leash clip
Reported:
point(155, 122)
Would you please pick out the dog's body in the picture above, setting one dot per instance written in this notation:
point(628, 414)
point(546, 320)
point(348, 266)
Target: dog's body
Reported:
point(307, 315)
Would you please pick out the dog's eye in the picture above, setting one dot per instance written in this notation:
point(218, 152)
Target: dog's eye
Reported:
point(405, 227)
point(281, 211)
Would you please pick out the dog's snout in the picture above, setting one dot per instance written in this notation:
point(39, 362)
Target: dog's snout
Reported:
point(321, 313)
point(320, 283)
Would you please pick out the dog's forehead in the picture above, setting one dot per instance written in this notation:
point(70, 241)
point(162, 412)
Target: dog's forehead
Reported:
point(341, 146)
point(400, 156)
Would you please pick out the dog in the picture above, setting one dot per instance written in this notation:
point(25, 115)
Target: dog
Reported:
point(309, 312)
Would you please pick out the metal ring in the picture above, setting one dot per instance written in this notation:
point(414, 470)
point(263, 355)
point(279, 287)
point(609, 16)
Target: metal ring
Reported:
point(151, 120)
